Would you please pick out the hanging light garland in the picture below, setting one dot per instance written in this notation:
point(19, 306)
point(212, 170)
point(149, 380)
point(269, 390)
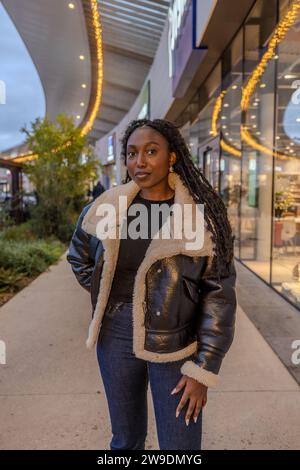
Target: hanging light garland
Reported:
point(249, 89)
point(98, 39)
point(22, 158)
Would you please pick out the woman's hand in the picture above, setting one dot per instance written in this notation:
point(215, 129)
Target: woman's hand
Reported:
point(195, 392)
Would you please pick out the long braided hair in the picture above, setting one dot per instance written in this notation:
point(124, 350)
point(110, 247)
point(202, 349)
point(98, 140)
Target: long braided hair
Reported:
point(215, 212)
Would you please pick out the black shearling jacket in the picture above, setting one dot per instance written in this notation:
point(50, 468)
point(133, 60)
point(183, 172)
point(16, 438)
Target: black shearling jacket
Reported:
point(180, 309)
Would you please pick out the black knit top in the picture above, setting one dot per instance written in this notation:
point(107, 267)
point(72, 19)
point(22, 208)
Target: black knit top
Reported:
point(132, 251)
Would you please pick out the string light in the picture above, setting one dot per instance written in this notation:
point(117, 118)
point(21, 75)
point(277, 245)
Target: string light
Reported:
point(98, 39)
point(279, 34)
point(249, 89)
point(99, 82)
point(214, 126)
point(252, 142)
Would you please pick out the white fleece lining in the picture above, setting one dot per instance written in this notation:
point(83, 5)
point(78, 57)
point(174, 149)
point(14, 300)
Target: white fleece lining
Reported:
point(158, 249)
point(191, 369)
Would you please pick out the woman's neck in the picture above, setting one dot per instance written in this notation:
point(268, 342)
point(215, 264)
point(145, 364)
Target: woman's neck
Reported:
point(157, 193)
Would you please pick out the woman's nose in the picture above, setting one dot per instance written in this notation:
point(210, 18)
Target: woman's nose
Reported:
point(140, 160)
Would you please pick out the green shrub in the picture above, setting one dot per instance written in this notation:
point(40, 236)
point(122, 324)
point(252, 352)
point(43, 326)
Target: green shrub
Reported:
point(29, 258)
point(10, 280)
point(18, 232)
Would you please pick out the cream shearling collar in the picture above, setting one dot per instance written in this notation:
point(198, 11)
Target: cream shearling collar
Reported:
point(157, 249)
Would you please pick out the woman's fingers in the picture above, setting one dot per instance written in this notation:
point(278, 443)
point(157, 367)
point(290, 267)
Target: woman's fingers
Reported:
point(190, 411)
point(197, 410)
point(181, 404)
point(180, 385)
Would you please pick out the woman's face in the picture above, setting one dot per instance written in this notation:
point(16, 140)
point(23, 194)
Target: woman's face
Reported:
point(148, 158)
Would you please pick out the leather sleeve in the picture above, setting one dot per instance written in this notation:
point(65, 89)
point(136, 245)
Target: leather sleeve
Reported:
point(79, 255)
point(215, 326)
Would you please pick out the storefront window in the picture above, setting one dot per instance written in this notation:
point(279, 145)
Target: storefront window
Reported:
point(258, 135)
point(230, 122)
point(286, 222)
point(203, 142)
point(246, 140)
point(203, 135)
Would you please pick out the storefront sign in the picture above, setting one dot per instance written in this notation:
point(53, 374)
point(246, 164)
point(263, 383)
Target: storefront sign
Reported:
point(111, 147)
point(188, 20)
point(175, 15)
point(145, 102)
point(2, 92)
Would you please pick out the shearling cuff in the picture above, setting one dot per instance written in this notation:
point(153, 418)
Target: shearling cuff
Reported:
point(191, 369)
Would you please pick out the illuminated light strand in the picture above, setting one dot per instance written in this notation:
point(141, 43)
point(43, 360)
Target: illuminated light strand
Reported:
point(249, 89)
point(252, 142)
point(89, 123)
point(214, 126)
point(216, 112)
point(98, 38)
point(279, 34)
point(230, 148)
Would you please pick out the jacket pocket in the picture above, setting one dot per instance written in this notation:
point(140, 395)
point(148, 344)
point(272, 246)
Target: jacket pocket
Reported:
point(191, 290)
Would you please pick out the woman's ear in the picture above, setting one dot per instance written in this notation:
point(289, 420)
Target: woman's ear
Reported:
point(172, 158)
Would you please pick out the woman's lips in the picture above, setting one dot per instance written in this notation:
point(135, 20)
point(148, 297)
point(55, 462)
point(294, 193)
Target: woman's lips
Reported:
point(142, 176)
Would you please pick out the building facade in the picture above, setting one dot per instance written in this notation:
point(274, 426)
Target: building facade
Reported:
point(238, 104)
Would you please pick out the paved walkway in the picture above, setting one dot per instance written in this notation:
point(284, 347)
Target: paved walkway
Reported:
point(51, 394)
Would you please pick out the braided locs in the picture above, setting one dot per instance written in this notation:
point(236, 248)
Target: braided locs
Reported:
point(215, 212)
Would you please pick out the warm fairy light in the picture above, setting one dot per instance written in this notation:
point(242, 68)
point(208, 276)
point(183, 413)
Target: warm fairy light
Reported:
point(249, 89)
point(98, 38)
point(280, 32)
point(250, 140)
point(214, 127)
point(216, 111)
point(81, 57)
point(89, 123)
point(230, 149)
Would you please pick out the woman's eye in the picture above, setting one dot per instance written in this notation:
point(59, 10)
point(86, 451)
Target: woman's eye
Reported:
point(130, 154)
point(152, 150)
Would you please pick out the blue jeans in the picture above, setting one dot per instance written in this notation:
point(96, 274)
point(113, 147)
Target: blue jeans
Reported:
point(125, 379)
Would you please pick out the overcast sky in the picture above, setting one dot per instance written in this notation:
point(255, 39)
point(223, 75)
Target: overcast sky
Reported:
point(24, 94)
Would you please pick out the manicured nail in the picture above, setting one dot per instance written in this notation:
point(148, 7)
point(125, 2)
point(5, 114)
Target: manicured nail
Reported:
point(195, 419)
point(177, 414)
point(187, 421)
point(173, 391)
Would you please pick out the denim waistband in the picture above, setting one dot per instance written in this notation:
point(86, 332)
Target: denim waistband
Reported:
point(115, 305)
point(118, 302)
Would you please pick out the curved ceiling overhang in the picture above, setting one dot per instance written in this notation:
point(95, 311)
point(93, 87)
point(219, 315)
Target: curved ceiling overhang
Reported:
point(58, 42)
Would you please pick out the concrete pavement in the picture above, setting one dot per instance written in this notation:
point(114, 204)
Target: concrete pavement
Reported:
point(51, 393)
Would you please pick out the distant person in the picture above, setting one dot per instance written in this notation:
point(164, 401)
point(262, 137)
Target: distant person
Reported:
point(97, 190)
